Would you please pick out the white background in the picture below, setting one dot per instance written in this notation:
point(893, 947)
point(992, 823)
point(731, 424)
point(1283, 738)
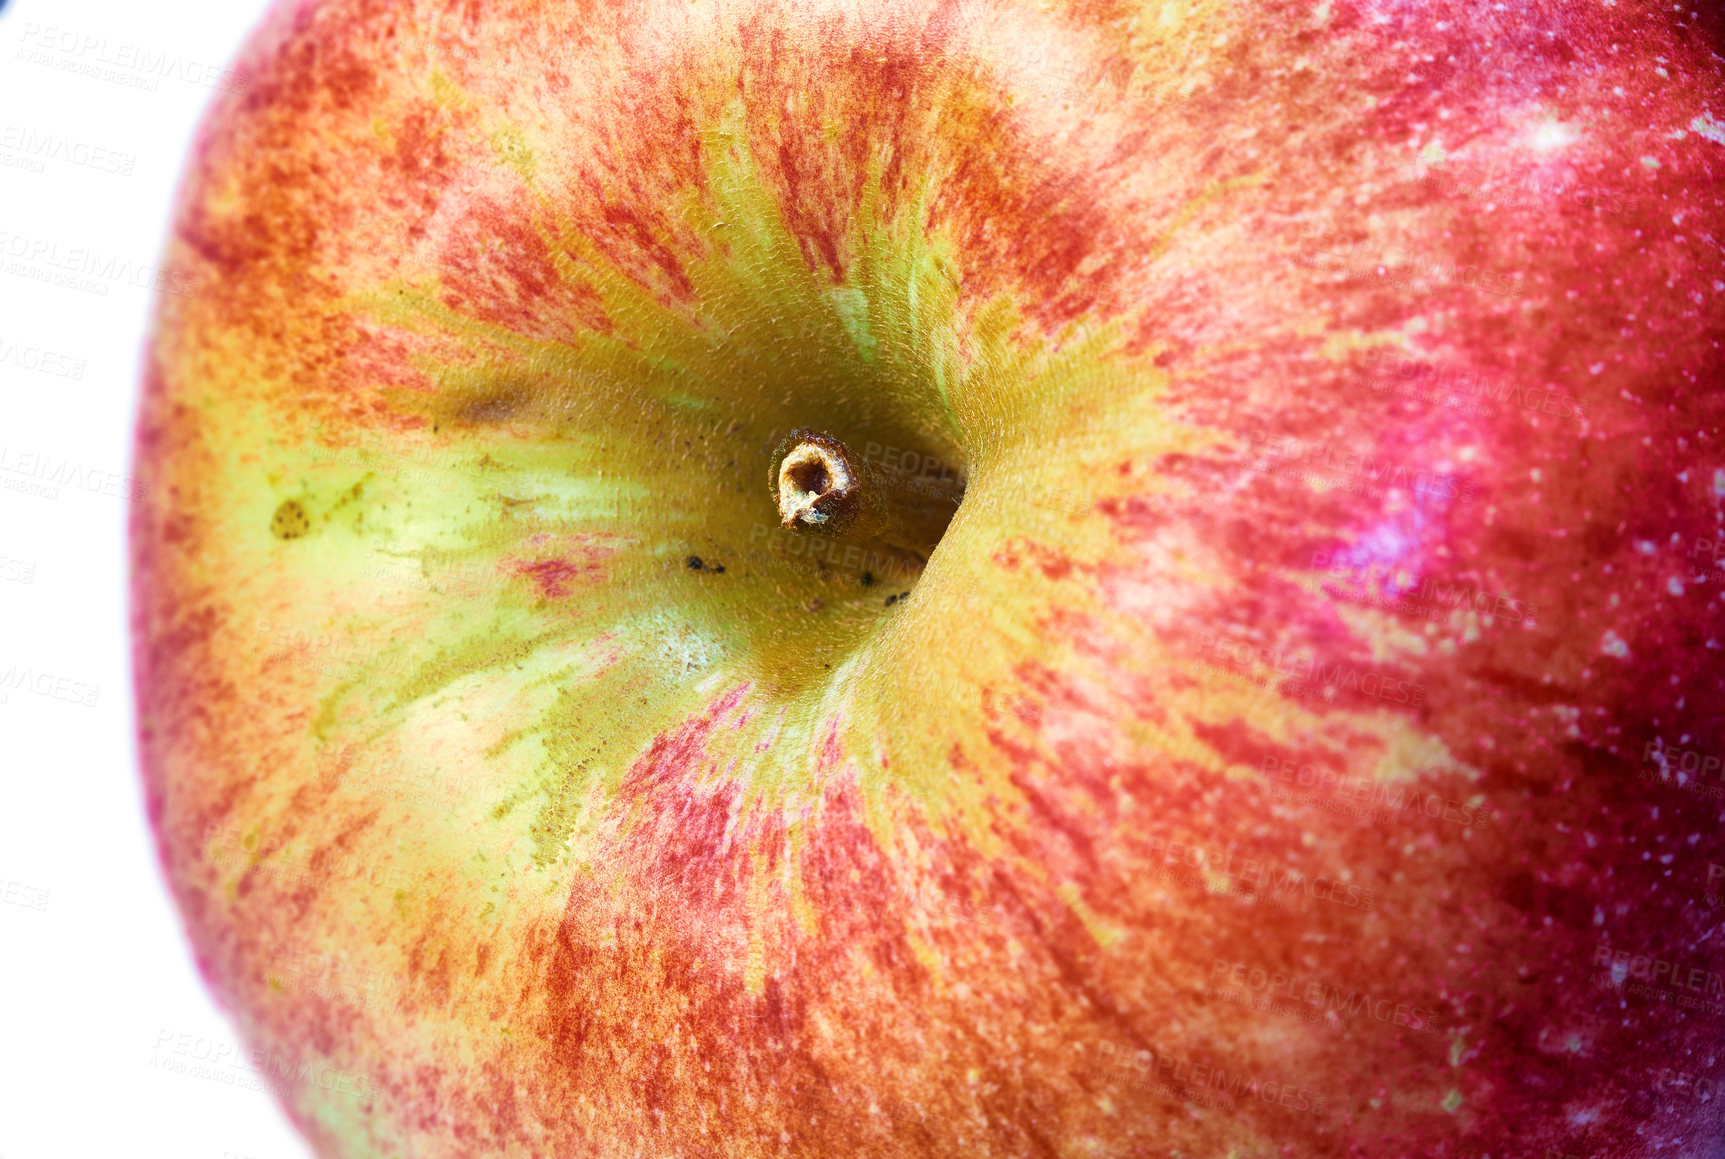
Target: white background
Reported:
point(97, 984)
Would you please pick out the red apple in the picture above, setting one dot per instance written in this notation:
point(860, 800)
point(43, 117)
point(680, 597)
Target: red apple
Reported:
point(1264, 701)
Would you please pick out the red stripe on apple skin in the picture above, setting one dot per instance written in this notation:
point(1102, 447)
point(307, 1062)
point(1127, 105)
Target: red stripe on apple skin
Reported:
point(715, 1010)
point(498, 268)
point(558, 577)
point(492, 249)
point(555, 577)
point(758, 1043)
point(1022, 226)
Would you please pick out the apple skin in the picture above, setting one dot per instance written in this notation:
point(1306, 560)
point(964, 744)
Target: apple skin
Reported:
point(503, 830)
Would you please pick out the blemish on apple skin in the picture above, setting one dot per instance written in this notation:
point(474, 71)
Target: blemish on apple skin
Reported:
point(555, 577)
point(290, 520)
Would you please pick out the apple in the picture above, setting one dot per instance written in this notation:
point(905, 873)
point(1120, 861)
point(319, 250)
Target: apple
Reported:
point(1225, 662)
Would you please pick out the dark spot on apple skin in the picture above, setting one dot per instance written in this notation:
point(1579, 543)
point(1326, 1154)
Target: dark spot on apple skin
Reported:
point(290, 520)
point(868, 579)
point(694, 562)
point(492, 409)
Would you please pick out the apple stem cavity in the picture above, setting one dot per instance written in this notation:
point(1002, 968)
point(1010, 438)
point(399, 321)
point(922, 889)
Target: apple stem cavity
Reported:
point(821, 486)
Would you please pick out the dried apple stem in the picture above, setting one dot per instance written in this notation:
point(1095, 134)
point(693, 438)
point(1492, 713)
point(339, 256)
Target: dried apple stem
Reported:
point(822, 486)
